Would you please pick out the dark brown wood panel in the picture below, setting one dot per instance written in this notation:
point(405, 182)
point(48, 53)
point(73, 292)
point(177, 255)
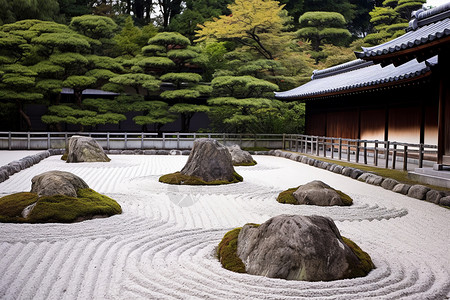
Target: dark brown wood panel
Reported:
point(372, 124)
point(343, 124)
point(404, 124)
point(316, 124)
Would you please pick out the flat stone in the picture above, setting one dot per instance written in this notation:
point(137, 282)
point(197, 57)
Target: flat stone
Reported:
point(434, 196)
point(445, 201)
point(402, 188)
point(418, 191)
point(389, 184)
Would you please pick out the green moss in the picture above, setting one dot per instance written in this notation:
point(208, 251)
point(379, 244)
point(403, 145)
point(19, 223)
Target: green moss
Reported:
point(287, 197)
point(365, 262)
point(345, 198)
point(11, 206)
point(64, 157)
point(246, 164)
point(227, 252)
point(57, 208)
point(178, 178)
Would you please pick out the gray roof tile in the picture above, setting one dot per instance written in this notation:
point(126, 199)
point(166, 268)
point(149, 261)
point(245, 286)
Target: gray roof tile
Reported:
point(355, 74)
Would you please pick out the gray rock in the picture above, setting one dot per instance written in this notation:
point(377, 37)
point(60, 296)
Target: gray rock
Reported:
point(311, 161)
point(209, 161)
point(418, 191)
point(271, 152)
point(347, 171)
point(175, 152)
point(338, 169)
point(375, 180)
point(162, 152)
point(363, 177)
point(14, 167)
point(185, 152)
point(57, 183)
point(297, 248)
point(356, 173)
point(389, 183)
point(149, 152)
point(239, 156)
point(3, 175)
point(317, 193)
point(115, 151)
point(299, 158)
point(128, 152)
point(402, 188)
point(445, 201)
point(434, 196)
point(324, 165)
point(85, 149)
point(305, 159)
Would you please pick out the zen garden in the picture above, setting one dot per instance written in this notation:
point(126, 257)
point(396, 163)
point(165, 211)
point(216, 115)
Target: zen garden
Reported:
point(233, 149)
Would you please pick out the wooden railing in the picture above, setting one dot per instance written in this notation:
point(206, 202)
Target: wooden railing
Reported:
point(140, 140)
point(363, 151)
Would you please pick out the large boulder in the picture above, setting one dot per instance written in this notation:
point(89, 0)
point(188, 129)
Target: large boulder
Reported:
point(85, 149)
point(319, 193)
point(209, 161)
point(240, 157)
point(298, 247)
point(57, 183)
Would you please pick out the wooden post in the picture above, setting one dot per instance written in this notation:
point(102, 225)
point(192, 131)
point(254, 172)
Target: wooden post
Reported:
point(164, 141)
point(324, 147)
point(178, 140)
point(107, 141)
point(340, 149)
point(375, 154)
point(254, 143)
point(394, 156)
point(421, 149)
point(348, 150)
point(296, 143)
point(386, 156)
point(28, 141)
point(126, 140)
point(405, 158)
point(357, 151)
point(9, 140)
point(284, 140)
point(48, 140)
point(317, 146)
point(332, 148)
point(142, 140)
point(365, 152)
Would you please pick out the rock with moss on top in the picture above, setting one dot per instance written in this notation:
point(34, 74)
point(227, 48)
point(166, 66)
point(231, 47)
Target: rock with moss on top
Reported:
point(56, 197)
point(240, 157)
point(209, 163)
point(308, 248)
point(314, 193)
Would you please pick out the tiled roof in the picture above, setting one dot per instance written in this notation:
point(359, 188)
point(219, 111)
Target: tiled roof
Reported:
point(89, 92)
point(353, 75)
point(426, 26)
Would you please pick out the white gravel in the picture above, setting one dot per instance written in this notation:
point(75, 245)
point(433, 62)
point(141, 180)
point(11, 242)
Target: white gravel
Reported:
point(163, 245)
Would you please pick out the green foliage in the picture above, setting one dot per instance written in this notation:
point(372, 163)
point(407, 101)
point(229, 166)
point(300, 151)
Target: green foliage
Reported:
point(227, 252)
point(57, 208)
point(169, 38)
point(181, 179)
point(95, 27)
point(182, 54)
point(185, 108)
point(136, 81)
point(155, 62)
point(182, 93)
point(178, 78)
point(79, 82)
point(62, 41)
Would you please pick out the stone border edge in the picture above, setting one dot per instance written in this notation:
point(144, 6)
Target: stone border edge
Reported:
point(416, 191)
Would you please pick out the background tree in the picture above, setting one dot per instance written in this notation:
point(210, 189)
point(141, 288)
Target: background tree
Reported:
point(257, 24)
point(323, 27)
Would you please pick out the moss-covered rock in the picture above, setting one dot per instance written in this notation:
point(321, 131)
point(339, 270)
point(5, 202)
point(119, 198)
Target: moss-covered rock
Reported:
point(245, 164)
point(57, 208)
point(178, 178)
point(287, 197)
point(228, 257)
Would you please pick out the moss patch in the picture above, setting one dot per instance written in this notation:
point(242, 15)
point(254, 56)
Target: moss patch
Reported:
point(227, 252)
point(64, 157)
point(365, 262)
point(287, 197)
point(57, 208)
point(178, 178)
point(244, 164)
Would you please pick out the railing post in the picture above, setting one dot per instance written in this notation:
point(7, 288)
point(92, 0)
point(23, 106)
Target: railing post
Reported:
point(405, 158)
point(375, 154)
point(48, 140)
point(317, 146)
point(107, 141)
point(340, 149)
point(290, 143)
point(365, 152)
point(9, 140)
point(28, 141)
point(348, 150)
point(142, 141)
point(357, 151)
point(164, 141)
point(332, 148)
point(394, 156)
point(284, 139)
point(386, 156)
point(296, 143)
point(224, 140)
point(126, 141)
point(65, 138)
point(178, 140)
point(254, 143)
point(421, 150)
point(325, 147)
